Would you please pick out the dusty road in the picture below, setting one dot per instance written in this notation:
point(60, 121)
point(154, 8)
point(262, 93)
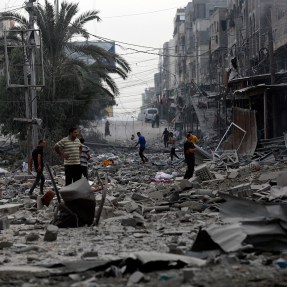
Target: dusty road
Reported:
point(121, 131)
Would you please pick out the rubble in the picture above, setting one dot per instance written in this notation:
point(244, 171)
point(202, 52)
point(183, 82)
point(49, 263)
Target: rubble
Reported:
point(145, 224)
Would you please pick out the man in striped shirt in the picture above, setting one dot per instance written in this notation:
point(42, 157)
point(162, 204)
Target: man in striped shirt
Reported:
point(70, 148)
point(85, 157)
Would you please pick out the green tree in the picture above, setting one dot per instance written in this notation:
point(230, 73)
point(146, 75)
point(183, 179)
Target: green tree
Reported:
point(73, 87)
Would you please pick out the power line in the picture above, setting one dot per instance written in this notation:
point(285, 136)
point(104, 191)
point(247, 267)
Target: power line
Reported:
point(137, 14)
point(12, 10)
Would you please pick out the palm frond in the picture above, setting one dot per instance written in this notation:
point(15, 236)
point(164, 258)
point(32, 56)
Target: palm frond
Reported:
point(16, 17)
point(86, 17)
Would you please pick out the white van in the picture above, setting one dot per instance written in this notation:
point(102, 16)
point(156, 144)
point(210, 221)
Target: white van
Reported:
point(149, 114)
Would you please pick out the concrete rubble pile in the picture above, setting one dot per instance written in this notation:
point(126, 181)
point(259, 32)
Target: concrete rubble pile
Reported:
point(224, 227)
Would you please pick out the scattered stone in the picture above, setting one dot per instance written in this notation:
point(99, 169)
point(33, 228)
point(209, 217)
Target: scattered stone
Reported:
point(51, 233)
point(189, 273)
point(174, 197)
point(135, 278)
point(282, 179)
point(139, 197)
point(89, 255)
point(132, 221)
point(107, 212)
point(4, 223)
point(131, 206)
point(157, 195)
point(233, 174)
point(32, 236)
point(185, 184)
point(9, 208)
point(5, 243)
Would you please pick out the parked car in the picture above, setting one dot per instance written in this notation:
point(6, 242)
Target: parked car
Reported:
point(149, 114)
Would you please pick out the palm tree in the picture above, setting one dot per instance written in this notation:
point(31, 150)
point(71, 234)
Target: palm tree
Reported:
point(60, 61)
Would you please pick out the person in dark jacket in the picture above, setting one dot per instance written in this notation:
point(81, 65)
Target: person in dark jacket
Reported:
point(172, 142)
point(165, 136)
point(38, 161)
point(189, 150)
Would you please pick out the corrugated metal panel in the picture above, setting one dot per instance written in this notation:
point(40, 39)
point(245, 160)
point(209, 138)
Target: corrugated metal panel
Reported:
point(246, 120)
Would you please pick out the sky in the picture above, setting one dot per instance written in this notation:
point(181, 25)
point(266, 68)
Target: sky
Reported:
point(140, 28)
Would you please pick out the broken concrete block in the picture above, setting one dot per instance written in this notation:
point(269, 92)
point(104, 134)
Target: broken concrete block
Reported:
point(5, 243)
point(138, 197)
point(4, 201)
point(51, 233)
point(107, 212)
point(173, 248)
point(282, 179)
point(135, 278)
point(203, 173)
point(132, 221)
point(196, 184)
point(245, 193)
point(208, 192)
point(157, 195)
point(32, 236)
point(260, 187)
point(219, 176)
point(4, 223)
point(9, 208)
point(185, 184)
point(240, 188)
point(174, 197)
point(131, 206)
point(233, 174)
point(188, 273)
point(156, 208)
point(269, 176)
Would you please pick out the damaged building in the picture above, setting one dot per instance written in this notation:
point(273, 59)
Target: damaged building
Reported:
point(229, 66)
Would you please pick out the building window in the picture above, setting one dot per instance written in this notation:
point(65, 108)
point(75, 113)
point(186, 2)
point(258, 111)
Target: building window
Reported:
point(201, 11)
point(223, 25)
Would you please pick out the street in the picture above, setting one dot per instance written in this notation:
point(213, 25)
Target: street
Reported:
point(121, 131)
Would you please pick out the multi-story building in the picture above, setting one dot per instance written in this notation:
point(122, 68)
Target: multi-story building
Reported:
point(179, 40)
point(257, 51)
point(279, 30)
point(169, 81)
point(237, 49)
point(148, 98)
point(197, 31)
point(218, 48)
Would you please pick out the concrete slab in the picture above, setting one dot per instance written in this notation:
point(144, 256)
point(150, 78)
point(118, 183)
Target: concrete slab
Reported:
point(269, 175)
point(9, 208)
point(282, 179)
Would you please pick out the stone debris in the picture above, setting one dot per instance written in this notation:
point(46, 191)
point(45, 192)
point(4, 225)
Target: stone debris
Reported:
point(151, 220)
point(51, 233)
point(135, 278)
point(4, 223)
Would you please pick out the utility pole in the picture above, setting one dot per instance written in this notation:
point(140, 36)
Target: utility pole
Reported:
point(31, 43)
point(272, 69)
point(56, 4)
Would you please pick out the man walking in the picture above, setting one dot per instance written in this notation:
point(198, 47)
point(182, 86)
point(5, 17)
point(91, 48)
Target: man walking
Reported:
point(189, 150)
point(85, 157)
point(165, 135)
point(107, 129)
point(70, 148)
point(38, 161)
point(141, 142)
point(172, 142)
